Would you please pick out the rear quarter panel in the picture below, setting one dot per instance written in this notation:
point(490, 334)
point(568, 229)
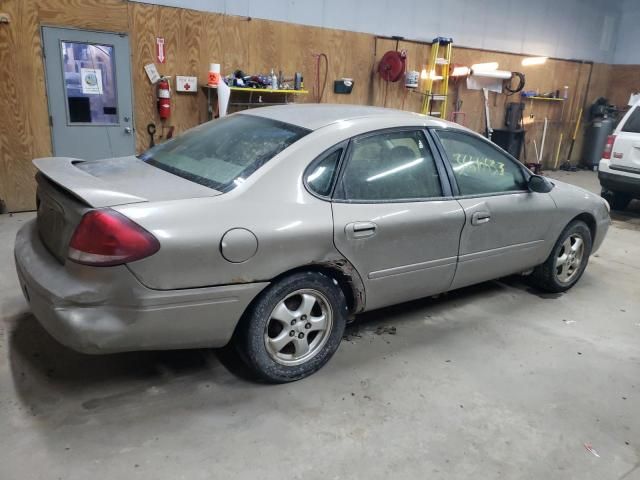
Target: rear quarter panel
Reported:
point(293, 228)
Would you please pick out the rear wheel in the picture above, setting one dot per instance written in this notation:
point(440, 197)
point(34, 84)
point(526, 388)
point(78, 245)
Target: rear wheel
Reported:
point(617, 200)
point(567, 261)
point(293, 328)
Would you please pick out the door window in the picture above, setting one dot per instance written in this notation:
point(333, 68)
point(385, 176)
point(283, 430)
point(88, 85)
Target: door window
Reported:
point(480, 168)
point(89, 83)
point(391, 166)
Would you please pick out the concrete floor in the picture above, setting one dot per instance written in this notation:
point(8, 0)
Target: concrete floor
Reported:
point(493, 381)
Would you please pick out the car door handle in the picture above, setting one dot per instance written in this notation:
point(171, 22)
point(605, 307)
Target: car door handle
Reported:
point(361, 229)
point(478, 218)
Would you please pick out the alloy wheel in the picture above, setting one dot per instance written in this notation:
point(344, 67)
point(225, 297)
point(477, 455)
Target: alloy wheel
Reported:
point(569, 258)
point(298, 327)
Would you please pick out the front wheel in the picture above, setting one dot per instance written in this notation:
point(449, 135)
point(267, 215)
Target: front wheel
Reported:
point(567, 261)
point(293, 328)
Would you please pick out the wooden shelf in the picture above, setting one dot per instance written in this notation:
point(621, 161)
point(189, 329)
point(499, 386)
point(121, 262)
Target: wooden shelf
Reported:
point(282, 99)
point(259, 90)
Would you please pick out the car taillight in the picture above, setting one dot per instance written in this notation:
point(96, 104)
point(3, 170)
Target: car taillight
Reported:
point(608, 148)
point(105, 238)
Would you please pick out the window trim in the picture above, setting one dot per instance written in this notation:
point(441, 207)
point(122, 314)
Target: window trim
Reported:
point(338, 195)
point(526, 173)
point(342, 145)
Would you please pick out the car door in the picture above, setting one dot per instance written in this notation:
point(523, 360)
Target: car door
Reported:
point(505, 224)
point(394, 217)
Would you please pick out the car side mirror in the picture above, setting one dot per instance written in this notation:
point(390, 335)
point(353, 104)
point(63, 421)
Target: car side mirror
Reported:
point(539, 184)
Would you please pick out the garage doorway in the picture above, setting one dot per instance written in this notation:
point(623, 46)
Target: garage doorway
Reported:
point(88, 80)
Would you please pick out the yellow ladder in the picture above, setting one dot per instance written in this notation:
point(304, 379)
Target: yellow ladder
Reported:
point(437, 86)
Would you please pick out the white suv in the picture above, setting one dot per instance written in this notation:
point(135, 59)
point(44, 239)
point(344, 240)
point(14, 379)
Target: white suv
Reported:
point(619, 170)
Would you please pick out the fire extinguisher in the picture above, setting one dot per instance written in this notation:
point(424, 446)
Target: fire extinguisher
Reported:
point(164, 98)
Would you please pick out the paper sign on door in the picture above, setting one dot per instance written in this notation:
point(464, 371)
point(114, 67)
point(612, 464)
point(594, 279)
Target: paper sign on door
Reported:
point(91, 79)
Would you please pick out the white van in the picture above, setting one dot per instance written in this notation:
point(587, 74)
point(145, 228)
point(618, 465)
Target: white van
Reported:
point(619, 170)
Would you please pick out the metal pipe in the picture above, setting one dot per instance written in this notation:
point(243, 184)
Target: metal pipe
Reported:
point(544, 136)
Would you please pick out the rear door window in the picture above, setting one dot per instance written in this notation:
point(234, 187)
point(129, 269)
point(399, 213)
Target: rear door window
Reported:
point(223, 153)
point(632, 124)
point(390, 166)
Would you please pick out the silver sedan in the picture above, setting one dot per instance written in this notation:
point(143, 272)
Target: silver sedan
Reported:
point(271, 227)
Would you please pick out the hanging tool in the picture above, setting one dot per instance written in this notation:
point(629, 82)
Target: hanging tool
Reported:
point(555, 164)
point(318, 91)
point(487, 117)
point(151, 130)
point(392, 67)
point(575, 134)
point(457, 115)
point(438, 70)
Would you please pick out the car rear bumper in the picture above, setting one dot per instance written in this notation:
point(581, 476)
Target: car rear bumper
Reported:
point(618, 180)
point(106, 309)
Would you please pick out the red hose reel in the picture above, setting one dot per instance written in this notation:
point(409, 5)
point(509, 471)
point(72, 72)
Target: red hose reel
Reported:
point(392, 65)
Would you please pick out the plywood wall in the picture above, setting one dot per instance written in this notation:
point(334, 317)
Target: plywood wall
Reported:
point(24, 122)
point(195, 39)
point(624, 80)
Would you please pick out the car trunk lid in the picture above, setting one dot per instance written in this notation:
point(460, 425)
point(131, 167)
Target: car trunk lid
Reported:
point(69, 187)
point(118, 181)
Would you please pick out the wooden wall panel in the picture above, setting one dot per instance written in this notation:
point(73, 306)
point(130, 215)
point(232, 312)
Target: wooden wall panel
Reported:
point(107, 15)
point(144, 27)
point(24, 127)
point(550, 77)
point(624, 80)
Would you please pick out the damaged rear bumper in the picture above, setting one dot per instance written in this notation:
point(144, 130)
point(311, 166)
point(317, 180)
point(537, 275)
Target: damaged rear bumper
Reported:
point(106, 309)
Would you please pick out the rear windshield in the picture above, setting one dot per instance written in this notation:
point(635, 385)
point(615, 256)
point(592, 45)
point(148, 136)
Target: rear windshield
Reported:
point(633, 122)
point(221, 154)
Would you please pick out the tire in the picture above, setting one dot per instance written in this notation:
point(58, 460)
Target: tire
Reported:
point(617, 200)
point(562, 270)
point(287, 315)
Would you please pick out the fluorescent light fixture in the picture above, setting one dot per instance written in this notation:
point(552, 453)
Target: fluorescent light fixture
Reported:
point(460, 71)
point(533, 61)
point(413, 163)
point(485, 67)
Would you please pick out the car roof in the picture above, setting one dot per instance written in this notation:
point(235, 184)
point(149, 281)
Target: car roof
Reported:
point(317, 115)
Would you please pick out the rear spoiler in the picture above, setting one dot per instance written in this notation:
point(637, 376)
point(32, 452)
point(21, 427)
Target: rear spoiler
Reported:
point(92, 190)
